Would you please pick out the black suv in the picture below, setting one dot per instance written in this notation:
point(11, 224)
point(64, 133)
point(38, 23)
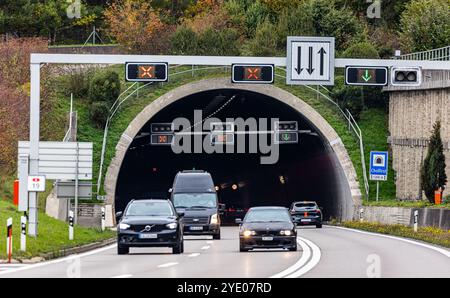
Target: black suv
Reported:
point(306, 213)
point(149, 223)
point(194, 194)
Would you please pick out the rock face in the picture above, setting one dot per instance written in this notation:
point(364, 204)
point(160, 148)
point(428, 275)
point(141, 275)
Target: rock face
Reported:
point(412, 114)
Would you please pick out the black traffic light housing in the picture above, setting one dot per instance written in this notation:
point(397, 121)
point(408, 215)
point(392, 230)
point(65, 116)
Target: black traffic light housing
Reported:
point(147, 72)
point(406, 76)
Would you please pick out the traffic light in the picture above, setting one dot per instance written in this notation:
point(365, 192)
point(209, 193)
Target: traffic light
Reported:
point(366, 76)
point(161, 134)
point(222, 133)
point(162, 128)
point(147, 72)
point(286, 132)
point(406, 76)
point(252, 74)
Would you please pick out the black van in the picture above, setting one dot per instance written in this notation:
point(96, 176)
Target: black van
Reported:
point(194, 194)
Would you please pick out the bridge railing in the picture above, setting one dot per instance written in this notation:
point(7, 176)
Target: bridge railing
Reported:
point(440, 54)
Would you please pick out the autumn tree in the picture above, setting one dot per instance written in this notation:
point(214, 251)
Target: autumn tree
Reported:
point(137, 27)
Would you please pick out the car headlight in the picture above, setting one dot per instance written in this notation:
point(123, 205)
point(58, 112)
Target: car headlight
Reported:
point(248, 233)
point(215, 219)
point(172, 225)
point(286, 233)
point(124, 226)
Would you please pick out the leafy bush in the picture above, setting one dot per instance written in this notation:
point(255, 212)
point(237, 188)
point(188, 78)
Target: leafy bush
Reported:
point(348, 97)
point(363, 50)
point(104, 86)
point(342, 23)
point(255, 15)
point(425, 25)
point(295, 22)
point(184, 41)
point(98, 113)
point(264, 43)
point(218, 42)
point(209, 42)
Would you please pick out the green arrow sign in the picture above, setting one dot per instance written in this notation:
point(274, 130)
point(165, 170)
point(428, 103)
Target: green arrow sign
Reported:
point(366, 77)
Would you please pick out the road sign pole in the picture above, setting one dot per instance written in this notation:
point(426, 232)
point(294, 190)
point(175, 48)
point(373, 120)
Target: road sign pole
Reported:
point(23, 233)
point(76, 183)
point(416, 220)
point(378, 189)
point(103, 218)
point(35, 70)
point(9, 236)
point(70, 225)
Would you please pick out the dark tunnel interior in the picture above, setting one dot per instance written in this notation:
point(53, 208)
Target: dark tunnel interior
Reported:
point(304, 171)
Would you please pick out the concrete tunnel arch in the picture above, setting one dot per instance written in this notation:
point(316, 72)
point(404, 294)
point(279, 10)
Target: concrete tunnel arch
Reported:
point(350, 194)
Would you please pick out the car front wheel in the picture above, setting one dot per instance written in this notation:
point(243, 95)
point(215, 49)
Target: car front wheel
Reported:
point(123, 250)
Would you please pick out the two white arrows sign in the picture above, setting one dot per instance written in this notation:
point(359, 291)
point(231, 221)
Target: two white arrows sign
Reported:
point(310, 61)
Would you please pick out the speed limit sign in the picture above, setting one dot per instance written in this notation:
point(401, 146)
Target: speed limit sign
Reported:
point(36, 183)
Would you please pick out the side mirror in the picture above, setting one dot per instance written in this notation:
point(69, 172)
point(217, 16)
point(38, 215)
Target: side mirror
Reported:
point(119, 215)
point(180, 214)
point(222, 208)
point(238, 221)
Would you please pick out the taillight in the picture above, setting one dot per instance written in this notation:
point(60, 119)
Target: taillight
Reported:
point(305, 214)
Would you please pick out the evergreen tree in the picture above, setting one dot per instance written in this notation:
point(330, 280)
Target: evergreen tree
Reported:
point(433, 174)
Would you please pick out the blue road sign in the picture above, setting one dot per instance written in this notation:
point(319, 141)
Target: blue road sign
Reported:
point(378, 165)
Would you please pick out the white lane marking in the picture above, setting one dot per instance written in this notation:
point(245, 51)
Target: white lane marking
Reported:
point(167, 265)
point(206, 247)
point(437, 249)
point(123, 276)
point(65, 259)
point(306, 255)
point(209, 242)
point(193, 255)
point(316, 255)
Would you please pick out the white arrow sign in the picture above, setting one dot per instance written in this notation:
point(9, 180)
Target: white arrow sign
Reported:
point(310, 61)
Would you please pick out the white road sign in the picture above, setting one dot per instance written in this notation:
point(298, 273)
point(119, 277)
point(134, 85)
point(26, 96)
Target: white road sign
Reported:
point(36, 183)
point(310, 60)
point(63, 160)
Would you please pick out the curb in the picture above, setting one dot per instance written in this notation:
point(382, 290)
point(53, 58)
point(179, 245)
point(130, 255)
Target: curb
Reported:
point(78, 249)
point(63, 252)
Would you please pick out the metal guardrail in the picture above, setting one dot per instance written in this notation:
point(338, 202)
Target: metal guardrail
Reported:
point(440, 54)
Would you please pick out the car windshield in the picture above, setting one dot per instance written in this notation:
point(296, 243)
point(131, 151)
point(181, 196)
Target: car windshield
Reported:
point(149, 209)
point(195, 200)
point(267, 216)
point(305, 205)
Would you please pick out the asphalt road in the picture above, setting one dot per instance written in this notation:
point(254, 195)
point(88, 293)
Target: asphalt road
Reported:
point(327, 252)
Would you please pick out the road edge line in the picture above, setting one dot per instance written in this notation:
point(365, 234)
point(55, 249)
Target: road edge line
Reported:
point(60, 260)
point(443, 251)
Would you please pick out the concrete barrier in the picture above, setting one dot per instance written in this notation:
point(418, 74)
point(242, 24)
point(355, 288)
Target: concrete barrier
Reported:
point(428, 217)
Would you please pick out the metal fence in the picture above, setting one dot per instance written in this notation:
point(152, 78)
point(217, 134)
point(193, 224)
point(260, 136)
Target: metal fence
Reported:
point(441, 54)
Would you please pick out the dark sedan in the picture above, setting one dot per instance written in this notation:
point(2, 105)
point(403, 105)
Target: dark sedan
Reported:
point(267, 227)
point(306, 213)
point(150, 223)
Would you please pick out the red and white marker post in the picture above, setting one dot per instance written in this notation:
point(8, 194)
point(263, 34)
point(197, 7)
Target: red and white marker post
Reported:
point(9, 239)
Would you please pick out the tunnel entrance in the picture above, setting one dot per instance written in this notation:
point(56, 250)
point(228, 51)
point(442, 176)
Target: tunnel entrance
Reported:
point(307, 170)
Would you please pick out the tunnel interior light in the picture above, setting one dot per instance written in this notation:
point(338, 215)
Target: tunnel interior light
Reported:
point(217, 188)
point(234, 187)
point(282, 179)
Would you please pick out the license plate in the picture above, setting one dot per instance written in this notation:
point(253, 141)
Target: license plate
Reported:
point(148, 236)
point(196, 228)
point(267, 238)
point(306, 220)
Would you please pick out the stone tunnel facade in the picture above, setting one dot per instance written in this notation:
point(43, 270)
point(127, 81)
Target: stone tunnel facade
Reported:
point(412, 113)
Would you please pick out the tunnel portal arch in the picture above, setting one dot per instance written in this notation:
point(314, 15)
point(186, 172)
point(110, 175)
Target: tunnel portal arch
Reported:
point(351, 194)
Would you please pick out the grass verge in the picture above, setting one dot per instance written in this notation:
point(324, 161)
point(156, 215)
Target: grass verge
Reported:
point(52, 235)
point(427, 234)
